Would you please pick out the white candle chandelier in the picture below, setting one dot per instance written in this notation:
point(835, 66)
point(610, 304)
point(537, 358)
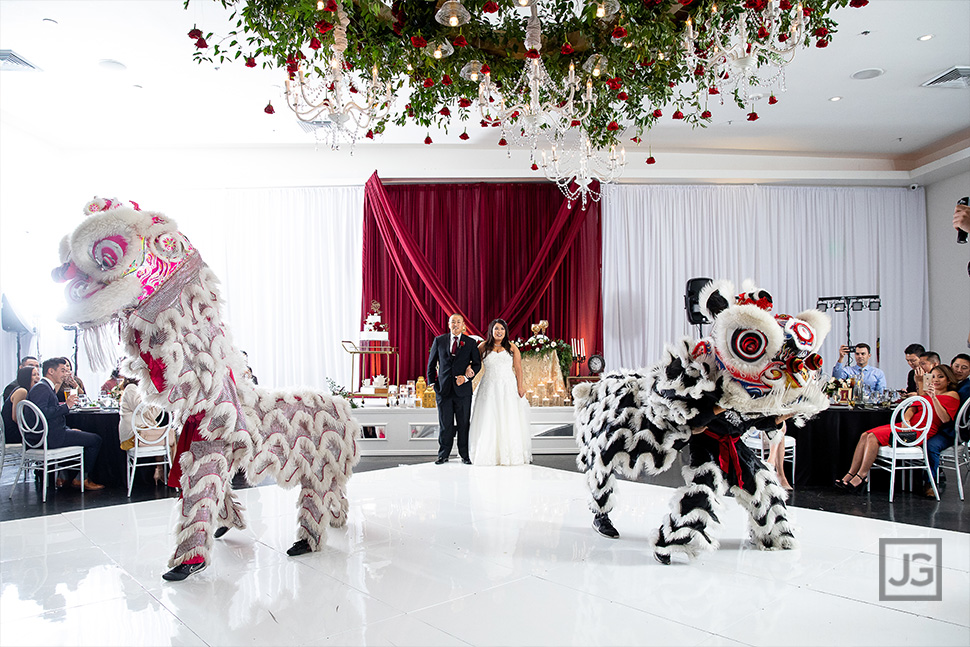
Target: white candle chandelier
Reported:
point(575, 168)
point(331, 98)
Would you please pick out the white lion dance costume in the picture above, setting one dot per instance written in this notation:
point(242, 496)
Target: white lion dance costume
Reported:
point(754, 370)
point(136, 268)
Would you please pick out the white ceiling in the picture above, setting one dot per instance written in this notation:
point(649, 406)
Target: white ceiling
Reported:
point(75, 103)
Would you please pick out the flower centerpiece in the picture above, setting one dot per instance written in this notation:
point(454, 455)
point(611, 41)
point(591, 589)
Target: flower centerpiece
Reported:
point(539, 342)
point(839, 389)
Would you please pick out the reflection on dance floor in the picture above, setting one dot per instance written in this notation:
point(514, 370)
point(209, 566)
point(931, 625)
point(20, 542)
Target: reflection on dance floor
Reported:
point(459, 555)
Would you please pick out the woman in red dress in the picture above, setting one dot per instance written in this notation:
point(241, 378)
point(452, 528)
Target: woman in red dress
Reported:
point(945, 401)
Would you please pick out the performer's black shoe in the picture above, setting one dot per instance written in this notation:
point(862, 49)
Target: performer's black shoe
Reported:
point(182, 571)
point(220, 531)
point(301, 547)
point(466, 461)
point(604, 526)
point(440, 461)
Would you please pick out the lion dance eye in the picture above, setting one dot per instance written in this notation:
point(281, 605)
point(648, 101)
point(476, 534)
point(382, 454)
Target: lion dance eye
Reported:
point(108, 252)
point(749, 345)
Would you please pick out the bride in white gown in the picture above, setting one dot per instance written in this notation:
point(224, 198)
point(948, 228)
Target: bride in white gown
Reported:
point(499, 432)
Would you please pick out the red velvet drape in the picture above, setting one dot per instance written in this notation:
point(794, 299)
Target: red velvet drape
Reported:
point(517, 251)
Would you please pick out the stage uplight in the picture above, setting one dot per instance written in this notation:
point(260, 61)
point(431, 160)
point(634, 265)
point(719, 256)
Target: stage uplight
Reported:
point(857, 306)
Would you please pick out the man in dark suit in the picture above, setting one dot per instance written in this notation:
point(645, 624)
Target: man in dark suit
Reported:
point(55, 370)
point(29, 360)
point(453, 362)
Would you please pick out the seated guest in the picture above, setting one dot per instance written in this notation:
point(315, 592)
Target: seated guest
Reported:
point(55, 370)
point(913, 351)
point(944, 403)
point(24, 363)
point(27, 377)
point(72, 381)
point(872, 377)
point(928, 360)
point(946, 435)
point(111, 382)
point(130, 399)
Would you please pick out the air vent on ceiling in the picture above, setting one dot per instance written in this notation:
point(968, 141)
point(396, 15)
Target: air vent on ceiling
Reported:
point(312, 126)
point(955, 77)
point(11, 60)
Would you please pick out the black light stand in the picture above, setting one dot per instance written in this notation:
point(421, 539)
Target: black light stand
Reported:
point(848, 304)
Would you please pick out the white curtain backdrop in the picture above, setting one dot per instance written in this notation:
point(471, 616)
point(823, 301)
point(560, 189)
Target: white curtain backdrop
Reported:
point(290, 264)
point(799, 243)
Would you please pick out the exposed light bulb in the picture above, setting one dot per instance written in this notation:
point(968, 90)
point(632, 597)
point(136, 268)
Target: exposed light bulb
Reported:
point(474, 76)
point(453, 21)
point(410, 68)
point(437, 53)
point(600, 10)
point(596, 71)
point(319, 5)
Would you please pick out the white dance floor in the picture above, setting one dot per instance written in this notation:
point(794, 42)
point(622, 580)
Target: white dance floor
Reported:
point(458, 555)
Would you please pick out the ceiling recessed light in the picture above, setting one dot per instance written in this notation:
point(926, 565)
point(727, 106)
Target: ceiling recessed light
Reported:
point(925, 37)
point(112, 65)
point(835, 98)
point(868, 73)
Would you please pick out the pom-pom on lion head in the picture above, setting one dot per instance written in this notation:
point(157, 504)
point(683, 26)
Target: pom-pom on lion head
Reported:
point(762, 353)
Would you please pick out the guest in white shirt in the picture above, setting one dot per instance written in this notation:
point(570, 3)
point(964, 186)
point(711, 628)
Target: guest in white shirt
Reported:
point(873, 378)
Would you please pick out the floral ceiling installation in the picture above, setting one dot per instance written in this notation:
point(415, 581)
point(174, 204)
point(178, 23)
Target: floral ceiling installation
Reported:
point(601, 72)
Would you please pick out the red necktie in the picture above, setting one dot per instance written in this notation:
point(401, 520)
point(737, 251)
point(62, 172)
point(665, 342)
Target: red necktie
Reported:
point(454, 346)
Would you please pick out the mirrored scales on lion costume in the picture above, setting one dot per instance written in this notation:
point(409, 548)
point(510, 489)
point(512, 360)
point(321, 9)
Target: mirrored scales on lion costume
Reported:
point(132, 270)
point(753, 372)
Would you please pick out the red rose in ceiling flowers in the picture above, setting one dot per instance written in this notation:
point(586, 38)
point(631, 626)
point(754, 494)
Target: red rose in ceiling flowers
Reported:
point(686, 2)
point(752, 116)
point(619, 32)
point(370, 134)
point(485, 69)
point(250, 62)
point(201, 44)
point(706, 114)
point(652, 3)
point(353, 90)
point(418, 42)
point(195, 33)
point(427, 140)
point(532, 53)
point(657, 114)
point(807, 11)
point(323, 27)
point(647, 63)
point(428, 82)
point(460, 42)
point(574, 123)
point(636, 140)
point(446, 80)
point(463, 136)
point(514, 116)
point(502, 142)
point(615, 83)
point(822, 43)
point(784, 5)
point(782, 37)
point(678, 115)
point(496, 123)
point(713, 91)
point(612, 126)
point(772, 100)
point(699, 70)
point(651, 160)
point(331, 5)
point(444, 112)
point(535, 167)
point(566, 49)
point(762, 33)
point(623, 96)
point(269, 108)
point(757, 5)
point(672, 84)
point(858, 4)
point(464, 103)
point(314, 43)
point(490, 7)
point(821, 32)
point(409, 110)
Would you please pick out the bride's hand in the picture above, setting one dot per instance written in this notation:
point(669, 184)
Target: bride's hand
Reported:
point(469, 373)
point(521, 391)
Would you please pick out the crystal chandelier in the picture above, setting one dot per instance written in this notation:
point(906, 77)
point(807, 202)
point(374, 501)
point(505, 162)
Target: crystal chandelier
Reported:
point(332, 98)
point(729, 57)
point(574, 168)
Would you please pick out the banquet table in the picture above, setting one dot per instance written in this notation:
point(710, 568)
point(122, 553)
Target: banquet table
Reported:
point(109, 468)
point(826, 443)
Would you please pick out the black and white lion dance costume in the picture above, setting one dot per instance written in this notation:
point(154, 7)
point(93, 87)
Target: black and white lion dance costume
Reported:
point(753, 372)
